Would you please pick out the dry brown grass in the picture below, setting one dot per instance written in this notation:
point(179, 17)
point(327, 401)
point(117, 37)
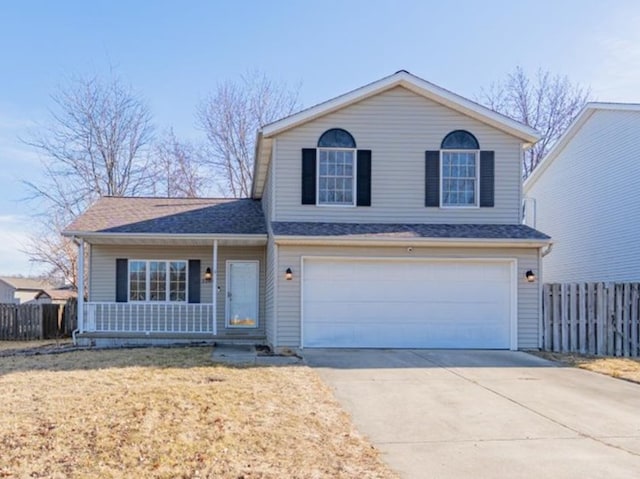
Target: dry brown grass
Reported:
point(172, 413)
point(31, 345)
point(622, 368)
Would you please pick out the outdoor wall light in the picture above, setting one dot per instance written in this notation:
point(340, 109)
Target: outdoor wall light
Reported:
point(288, 274)
point(207, 275)
point(530, 275)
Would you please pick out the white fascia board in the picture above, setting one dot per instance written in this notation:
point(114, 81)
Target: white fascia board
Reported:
point(418, 86)
point(256, 155)
point(585, 114)
point(88, 235)
point(261, 166)
point(435, 242)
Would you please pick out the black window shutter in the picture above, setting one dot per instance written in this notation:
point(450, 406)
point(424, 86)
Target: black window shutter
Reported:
point(308, 176)
point(363, 180)
point(487, 178)
point(432, 178)
point(194, 281)
point(122, 280)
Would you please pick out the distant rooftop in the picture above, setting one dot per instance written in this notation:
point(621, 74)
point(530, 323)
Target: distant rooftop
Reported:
point(32, 284)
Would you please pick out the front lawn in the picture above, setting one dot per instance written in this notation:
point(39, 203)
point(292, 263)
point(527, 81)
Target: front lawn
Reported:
point(623, 368)
point(170, 412)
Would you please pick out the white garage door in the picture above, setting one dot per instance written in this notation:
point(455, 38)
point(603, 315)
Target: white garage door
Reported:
point(407, 304)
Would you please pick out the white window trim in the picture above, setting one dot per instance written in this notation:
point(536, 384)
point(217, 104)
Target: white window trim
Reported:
point(148, 281)
point(477, 187)
point(354, 180)
point(227, 323)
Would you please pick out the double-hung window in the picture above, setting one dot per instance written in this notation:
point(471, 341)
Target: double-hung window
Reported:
point(336, 168)
point(460, 170)
point(157, 281)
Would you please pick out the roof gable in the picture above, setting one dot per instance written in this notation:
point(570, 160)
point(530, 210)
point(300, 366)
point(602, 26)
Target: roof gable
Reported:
point(415, 84)
point(578, 123)
point(402, 79)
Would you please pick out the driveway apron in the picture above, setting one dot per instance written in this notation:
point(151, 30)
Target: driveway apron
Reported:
point(486, 414)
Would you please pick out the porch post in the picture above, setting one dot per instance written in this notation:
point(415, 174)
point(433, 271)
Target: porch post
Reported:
point(80, 285)
point(214, 285)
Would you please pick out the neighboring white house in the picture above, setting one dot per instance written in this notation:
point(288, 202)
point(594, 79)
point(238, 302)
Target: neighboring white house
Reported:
point(586, 195)
point(21, 290)
point(7, 292)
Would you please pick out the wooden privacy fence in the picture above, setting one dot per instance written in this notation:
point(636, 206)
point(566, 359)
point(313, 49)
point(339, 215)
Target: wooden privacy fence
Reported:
point(35, 321)
point(592, 318)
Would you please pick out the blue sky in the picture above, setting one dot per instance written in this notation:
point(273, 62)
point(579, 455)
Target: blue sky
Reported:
point(174, 52)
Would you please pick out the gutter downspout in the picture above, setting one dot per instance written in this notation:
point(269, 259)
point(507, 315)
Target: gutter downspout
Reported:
point(80, 290)
point(215, 287)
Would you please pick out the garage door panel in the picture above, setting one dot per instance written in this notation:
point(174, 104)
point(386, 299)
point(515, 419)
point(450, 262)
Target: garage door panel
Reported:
point(406, 335)
point(373, 303)
point(428, 291)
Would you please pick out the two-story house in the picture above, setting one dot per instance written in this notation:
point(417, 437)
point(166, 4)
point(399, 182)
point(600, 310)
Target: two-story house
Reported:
point(386, 217)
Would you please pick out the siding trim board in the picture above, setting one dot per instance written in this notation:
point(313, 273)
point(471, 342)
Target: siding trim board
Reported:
point(436, 242)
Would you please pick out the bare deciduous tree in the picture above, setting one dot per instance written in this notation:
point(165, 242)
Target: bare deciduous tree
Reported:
point(177, 165)
point(95, 144)
point(547, 103)
point(230, 118)
point(57, 253)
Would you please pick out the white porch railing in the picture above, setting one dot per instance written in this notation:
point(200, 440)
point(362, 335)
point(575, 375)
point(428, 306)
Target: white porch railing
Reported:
point(149, 318)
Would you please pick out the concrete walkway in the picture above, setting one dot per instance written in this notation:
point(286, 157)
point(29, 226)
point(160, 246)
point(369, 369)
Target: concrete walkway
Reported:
point(486, 414)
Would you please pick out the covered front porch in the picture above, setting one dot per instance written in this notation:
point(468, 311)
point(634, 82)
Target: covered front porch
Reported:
point(199, 288)
point(184, 268)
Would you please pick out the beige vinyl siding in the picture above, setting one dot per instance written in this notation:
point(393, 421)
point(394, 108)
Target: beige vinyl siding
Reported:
point(398, 126)
point(103, 274)
point(588, 201)
point(288, 307)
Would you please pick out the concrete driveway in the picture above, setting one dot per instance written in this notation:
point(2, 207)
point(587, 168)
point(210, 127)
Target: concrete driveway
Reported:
point(486, 414)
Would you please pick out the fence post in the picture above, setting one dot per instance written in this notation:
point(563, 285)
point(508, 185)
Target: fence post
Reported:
point(40, 316)
point(601, 319)
point(582, 318)
point(547, 311)
point(635, 320)
point(625, 337)
point(556, 317)
point(564, 308)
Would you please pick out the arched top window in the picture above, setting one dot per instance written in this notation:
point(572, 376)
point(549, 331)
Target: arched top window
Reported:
point(336, 138)
point(460, 140)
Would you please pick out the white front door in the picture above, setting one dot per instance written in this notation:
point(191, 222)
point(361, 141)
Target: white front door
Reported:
point(242, 294)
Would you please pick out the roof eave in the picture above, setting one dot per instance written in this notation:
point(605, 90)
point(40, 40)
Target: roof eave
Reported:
point(435, 242)
point(159, 236)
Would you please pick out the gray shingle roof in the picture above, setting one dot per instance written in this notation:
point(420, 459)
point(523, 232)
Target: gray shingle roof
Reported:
point(407, 231)
point(172, 216)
